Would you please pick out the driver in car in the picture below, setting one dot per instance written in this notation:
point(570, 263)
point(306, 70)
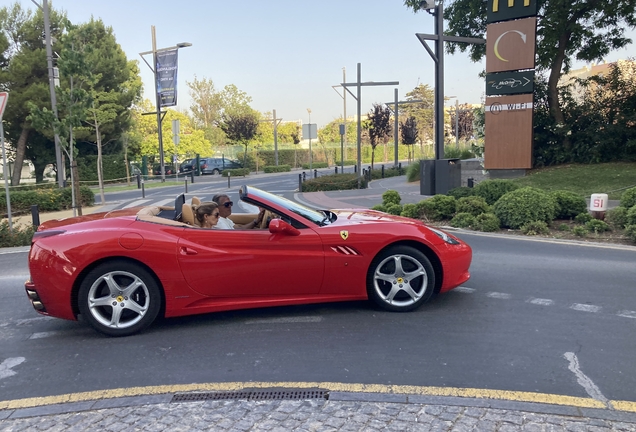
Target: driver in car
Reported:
point(225, 210)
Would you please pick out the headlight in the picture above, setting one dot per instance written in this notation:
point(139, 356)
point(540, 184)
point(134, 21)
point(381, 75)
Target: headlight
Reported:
point(441, 234)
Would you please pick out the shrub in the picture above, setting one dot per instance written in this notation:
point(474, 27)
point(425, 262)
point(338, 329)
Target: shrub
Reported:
point(487, 222)
point(579, 231)
point(21, 236)
point(379, 207)
point(391, 197)
point(569, 204)
point(630, 232)
point(564, 227)
point(237, 172)
point(617, 217)
point(462, 220)
point(275, 169)
point(630, 217)
point(47, 199)
point(628, 198)
point(583, 218)
point(411, 211)
point(315, 165)
point(334, 182)
point(535, 228)
point(394, 209)
point(475, 205)
point(460, 192)
point(596, 226)
point(492, 190)
point(438, 207)
point(525, 205)
point(413, 172)
point(376, 174)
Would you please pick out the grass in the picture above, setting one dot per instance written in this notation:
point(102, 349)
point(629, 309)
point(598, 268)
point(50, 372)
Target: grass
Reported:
point(609, 178)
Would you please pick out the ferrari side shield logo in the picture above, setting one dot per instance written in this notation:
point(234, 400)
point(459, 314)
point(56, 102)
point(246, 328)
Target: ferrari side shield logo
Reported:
point(344, 234)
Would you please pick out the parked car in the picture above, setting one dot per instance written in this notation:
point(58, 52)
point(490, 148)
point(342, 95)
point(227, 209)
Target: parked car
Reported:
point(121, 269)
point(187, 165)
point(216, 165)
point(156, 169)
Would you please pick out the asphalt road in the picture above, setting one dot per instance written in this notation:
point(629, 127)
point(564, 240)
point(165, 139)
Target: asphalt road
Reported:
point(536, 316)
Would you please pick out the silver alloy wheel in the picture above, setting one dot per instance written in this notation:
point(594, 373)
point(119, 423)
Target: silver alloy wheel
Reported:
point(118, 299)
point(400, 280)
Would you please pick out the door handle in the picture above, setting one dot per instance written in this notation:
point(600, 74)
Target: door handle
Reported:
point(188, 251)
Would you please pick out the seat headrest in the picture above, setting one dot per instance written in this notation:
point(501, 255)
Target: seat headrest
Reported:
point(187, 215)
point(195, 201)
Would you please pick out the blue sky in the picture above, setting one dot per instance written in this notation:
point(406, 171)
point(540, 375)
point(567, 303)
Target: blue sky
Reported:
point(287, 54)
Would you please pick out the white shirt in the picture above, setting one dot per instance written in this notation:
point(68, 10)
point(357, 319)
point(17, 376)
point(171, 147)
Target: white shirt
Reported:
point(224, 223)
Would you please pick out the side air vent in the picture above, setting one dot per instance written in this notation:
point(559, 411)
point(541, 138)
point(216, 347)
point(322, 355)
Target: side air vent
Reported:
point(345, 250)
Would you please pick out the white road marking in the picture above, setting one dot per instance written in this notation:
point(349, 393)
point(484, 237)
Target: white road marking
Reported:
point(627, 314)
point(23, 277)
point(285, 320)
point(584, 381)
point(42, 335)
point(585, 308)
point(5, 366)
point(136, 203)
point(465, 290)
point(541, 302)
point(498, 295)
point(15, 250)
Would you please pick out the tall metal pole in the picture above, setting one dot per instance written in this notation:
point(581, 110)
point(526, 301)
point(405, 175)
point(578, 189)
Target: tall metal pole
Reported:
point(439, 83)
point(310, 154)
point(359, 126)
point(275, 137)
point(158, 104)
point(344, 97)
point(6, 177)
point(395, 127)
point(457, 123)
point(49, 63)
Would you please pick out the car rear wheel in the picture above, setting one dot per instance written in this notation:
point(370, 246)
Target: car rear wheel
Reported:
point(215, 171)
point(119, 298)
point(400, 279)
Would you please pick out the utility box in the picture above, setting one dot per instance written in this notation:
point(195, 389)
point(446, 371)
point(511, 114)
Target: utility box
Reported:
point(448, 175)
point(427, 177)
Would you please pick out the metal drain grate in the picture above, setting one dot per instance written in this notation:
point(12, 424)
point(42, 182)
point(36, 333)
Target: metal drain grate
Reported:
point(297, 394)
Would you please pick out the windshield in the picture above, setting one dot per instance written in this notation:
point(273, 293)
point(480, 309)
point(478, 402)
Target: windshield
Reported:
point(315, 216)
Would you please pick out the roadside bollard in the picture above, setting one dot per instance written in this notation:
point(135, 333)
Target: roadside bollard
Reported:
point(382, 171)
point(143, 191)
point(315, 173)
point(229, 174)
point(470, 182)
point(186, 185)
point(304, 176)
point(138, 181)
point(192, 176)
point(336, 170)
point(35, 215)
point(400, 168)
point(300, 183)
point(355, 168)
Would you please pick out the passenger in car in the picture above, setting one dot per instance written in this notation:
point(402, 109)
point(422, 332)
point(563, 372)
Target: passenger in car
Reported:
point(225, 210)
point(207, 214)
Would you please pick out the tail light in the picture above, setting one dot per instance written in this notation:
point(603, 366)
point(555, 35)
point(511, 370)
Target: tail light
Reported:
point(204, 166)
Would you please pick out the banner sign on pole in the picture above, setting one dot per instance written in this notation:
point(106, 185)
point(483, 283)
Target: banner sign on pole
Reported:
point(505, 83)
point(166, 70)
point(3, 102)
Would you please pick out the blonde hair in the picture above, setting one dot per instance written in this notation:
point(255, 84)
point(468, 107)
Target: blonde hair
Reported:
point(205, 208)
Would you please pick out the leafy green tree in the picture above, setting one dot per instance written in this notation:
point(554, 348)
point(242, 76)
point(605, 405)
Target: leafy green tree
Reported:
point(24, 73)
point(409, 133)
point(379, 127)
point(566, 31)
point(240, 126)
point(422, 111)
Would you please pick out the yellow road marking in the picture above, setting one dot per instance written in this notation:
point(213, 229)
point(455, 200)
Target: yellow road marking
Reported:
point(507, 395)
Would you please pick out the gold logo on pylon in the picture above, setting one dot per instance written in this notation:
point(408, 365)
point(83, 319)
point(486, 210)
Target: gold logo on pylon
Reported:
point(344, 234)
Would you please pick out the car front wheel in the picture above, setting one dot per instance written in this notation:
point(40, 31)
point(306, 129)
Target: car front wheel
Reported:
point(400, 279)
point(119, 298)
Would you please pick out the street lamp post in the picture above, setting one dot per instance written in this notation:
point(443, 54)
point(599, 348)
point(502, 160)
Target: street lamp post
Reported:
point(310, 154)
point(157, 94)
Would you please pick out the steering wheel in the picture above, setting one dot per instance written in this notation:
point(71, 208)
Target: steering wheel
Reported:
point(267, 216)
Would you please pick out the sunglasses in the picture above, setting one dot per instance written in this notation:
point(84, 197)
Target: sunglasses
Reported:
point(228, 204)
point(216, 215)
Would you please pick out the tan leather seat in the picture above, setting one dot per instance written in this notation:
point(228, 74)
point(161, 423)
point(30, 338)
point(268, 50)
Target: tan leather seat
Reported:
point(195, 201)
point(187, 215)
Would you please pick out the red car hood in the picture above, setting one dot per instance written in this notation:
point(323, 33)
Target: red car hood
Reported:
point(357, 216)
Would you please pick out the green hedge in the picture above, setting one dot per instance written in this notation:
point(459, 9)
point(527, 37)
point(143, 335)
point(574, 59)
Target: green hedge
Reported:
point(522, 206)
point(20, 236)
point(275, 169)
point(334, 182)
point(316, 165)
point(46, 199)
point(238, 172)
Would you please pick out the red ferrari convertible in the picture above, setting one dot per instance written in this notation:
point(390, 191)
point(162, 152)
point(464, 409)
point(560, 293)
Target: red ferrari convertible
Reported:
point(120, 270)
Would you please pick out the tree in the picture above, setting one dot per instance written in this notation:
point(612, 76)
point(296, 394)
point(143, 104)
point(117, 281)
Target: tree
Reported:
point(24, 73)
point(379, 127)
point(422, 111)
point(465, 117)
point(585, 30)
point(409, 133)
point(240, 126)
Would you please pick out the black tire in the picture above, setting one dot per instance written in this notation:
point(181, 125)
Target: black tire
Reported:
point(215, 171)
point(400, 279)
point(133, 292)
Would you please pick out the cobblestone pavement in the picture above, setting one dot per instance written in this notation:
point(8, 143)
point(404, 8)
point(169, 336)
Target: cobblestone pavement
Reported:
point(137, 414)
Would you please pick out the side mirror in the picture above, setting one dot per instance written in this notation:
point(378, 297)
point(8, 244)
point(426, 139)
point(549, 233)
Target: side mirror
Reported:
point(279, 226)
